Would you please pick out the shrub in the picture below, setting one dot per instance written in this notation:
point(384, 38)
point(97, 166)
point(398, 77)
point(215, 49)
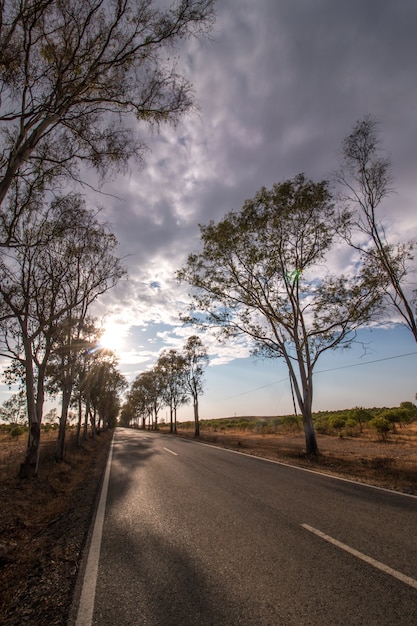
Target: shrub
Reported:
point(382, 425)
point(16, 431)
point(290, 421)
point(410, 408)
point(396, 416)
point(360, 415)
point(337, 422)
point(322, 425)
point(350, 425)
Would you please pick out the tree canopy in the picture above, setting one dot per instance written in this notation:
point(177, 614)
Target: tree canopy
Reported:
point(72, 75)
point(366, 179)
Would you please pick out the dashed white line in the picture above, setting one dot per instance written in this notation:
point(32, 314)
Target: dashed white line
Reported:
point(168, 450)
point(377, 564)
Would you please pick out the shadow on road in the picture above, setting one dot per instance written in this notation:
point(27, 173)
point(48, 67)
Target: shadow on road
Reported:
point(161, 585)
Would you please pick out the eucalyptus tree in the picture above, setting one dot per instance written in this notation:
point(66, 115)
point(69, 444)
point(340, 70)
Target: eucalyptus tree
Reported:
point(105, 392)
point(80, 81)
point(64, 259)
point(137, 406)
point(146, 395)
point(196, 361)
point(365, 176)
point(128, 415)
point(172, 367)
point(13, 410)
point(264, 272)
point(75, 337)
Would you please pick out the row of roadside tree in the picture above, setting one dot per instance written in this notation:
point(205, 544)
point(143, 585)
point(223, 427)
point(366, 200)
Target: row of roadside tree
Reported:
point(176, 379)
point(80, 81)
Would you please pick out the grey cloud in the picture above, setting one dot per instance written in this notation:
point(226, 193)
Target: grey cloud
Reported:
point(279, 85)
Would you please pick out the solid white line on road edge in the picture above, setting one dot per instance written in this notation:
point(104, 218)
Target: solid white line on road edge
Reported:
point(86, 606)
point(168, 450)
point(377, 564)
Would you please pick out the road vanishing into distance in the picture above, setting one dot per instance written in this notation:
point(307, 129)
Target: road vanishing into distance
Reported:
point(189, 534)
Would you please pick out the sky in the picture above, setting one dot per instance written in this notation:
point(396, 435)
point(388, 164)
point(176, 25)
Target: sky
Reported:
point(279, 85)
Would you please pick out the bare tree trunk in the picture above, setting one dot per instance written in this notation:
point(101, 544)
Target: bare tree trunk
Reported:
point(60, 443)
point(305, 402)
point(196, 418)
point(80, 416)
point(87, 413)
point(93, 423)
point(30, 464)
point(310, 435)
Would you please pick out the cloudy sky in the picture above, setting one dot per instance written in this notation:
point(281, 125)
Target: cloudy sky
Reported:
point(279, 85)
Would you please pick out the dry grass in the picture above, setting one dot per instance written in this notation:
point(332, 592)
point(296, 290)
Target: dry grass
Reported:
point(43, 526)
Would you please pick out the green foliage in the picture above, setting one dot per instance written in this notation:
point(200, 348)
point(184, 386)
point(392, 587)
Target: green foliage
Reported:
point(342, 422)
point(16, 431)
point(72, 71)
point(321, 424)
point(350, 425)
point(290, 422)
point(411, 409)
point(395, 416)
point(382, 425)
point(366, 176)
point(337, 422)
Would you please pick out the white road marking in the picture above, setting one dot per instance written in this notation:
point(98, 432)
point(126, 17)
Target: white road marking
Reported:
point(86, 606)
point(168, 450)
point(377, 564)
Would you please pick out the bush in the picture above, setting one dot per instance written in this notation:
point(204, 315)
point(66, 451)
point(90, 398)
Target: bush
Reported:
point(410, 408)
point(382, 425)
point(350, 425)
point(360, 416)
point(337, 422)
point(321, 425)
point(16, 431)
point(290, 421)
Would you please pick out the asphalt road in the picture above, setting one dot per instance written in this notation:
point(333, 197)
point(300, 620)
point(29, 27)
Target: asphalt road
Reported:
point(195, 535)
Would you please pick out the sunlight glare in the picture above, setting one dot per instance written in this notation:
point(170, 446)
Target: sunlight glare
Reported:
point(113, 337)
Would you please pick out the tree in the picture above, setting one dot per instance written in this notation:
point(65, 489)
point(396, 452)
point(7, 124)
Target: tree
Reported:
point(365, 175)
point(106, 390)
point(196, 361)
point(13, 410)
point(146, 395)
point(262, 273)
point(75, 336)
point(172, 367)
point(74, 74)
point(360, 415)
point(127, 414)
point(63, 261)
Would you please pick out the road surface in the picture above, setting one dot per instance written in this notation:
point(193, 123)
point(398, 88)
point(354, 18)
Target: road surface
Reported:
point(190, 534)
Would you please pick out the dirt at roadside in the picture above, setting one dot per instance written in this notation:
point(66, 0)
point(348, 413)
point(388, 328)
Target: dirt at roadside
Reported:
point(43, 526)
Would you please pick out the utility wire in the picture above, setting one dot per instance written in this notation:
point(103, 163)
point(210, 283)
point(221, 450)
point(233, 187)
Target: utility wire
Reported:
point(333, 369)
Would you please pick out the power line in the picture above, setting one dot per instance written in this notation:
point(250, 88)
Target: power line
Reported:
point(333, 369)
point(387, 358)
